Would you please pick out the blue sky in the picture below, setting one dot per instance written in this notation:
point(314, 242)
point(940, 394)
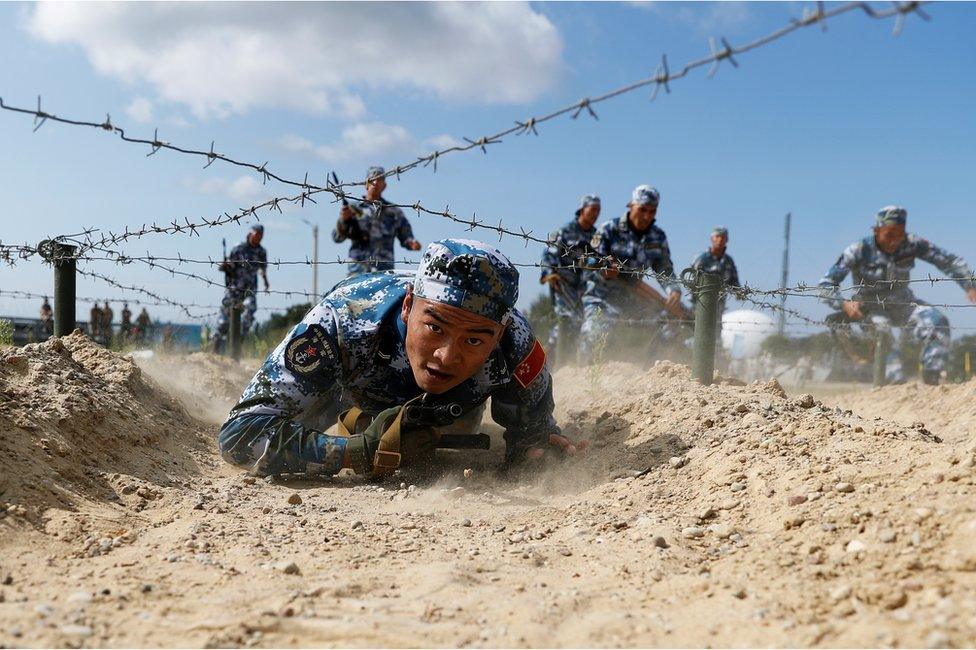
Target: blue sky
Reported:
point(829, 126)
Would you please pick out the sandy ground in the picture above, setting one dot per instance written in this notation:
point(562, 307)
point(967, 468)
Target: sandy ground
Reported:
point(721, 516)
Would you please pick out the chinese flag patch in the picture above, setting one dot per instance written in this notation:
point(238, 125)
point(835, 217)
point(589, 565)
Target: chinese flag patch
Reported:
point(533, 363)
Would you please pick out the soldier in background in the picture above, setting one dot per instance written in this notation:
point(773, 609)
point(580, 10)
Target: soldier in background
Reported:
point(881, 266)
point(125, 325)
point(717, 260)
point(242, 266)
point(107, 317)
point(371, 226)
point(562, 269)
point(95, 322)
point(626, 248)
point(47, 317)
point(143, 325)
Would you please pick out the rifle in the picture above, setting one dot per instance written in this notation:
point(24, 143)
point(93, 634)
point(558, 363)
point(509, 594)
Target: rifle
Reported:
point(226, 266)
point(652, 295)
point(438, 415)
point(352, 226)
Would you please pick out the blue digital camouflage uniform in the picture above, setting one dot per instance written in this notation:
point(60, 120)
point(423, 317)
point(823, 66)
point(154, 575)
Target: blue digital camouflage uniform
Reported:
point(350, 350)
point(570, 247)
point(605, 300)
point(377, 224)
point(872, 269)
point(725, 266)
point(245, 261)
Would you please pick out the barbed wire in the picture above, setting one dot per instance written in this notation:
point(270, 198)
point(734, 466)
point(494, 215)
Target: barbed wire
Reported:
point(662, 78)
point(28, 295)
point(184, 307)
point(743, 293)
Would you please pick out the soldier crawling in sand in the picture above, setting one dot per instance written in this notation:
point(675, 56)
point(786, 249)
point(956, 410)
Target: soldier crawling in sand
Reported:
point(402, 363)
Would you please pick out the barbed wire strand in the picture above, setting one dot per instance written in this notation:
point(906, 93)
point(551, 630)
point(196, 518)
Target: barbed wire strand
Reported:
point(663, 76)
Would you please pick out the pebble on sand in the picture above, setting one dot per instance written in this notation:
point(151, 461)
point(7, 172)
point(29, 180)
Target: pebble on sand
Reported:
point(855, 546)
point(295, 499)
point(76, 630)
point(287, 567)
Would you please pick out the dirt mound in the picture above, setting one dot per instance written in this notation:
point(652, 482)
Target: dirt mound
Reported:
point(206, 384)
point(77, 421)
point(948, 410)
point(828, 519)
point(727, 515)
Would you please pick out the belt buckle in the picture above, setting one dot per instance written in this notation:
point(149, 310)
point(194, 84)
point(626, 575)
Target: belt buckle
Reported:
point(378, 457)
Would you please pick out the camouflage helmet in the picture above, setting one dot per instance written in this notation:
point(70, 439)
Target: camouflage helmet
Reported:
point(585, 200)
point(891, 215)
point(722, 231)
point(373, 172)
point(468, 274)
point(645, 195)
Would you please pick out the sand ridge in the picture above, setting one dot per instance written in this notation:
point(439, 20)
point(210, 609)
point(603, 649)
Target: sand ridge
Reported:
point(721, 515)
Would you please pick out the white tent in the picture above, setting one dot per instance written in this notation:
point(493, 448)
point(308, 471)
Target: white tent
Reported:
point(743, 332)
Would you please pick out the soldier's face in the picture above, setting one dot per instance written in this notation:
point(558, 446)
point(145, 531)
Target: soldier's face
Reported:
point(375, 187)
point(719, 242)
point(445, 344)
point(890, 237)
point(254, 237)
point(589, 215)
point(642, 216)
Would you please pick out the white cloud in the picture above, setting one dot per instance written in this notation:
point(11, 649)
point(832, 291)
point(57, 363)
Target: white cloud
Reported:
point(140, 109)
point(441, 142)
point(245, 190)
point(367, 142)
point(225, 58)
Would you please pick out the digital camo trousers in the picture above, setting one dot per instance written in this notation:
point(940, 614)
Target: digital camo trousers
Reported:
point(929, 327)
point(249, 306)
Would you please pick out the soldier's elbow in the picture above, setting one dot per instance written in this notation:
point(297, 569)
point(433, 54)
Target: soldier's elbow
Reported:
point(237, 441)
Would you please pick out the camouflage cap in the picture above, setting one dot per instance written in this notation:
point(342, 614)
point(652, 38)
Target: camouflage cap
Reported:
point(374, 171)
point(891, 215)
point(258, 227)
point(468, 274)
point(720, 230)
point(645, 195)
point(585, 200)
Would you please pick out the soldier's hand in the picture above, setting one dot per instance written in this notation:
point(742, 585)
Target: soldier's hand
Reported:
point(346, 213)
point(853, 309)
point(611, 273)
point(971, 294)
point(413, 245)
point(558, 443)
point(361, 447)
point(673, 300)
point(553, 280)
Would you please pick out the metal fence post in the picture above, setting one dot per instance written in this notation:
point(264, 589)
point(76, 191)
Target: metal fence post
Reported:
point(62, 258)
point(234, 329)
point(708, 290)
point(880, 358)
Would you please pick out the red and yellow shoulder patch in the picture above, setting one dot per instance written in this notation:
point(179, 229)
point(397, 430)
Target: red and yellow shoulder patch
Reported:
point(530, 367)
